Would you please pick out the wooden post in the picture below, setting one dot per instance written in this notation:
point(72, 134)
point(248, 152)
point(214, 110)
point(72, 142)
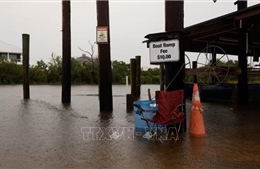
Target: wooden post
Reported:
point(129, 102)
point(105, 72)
point(138, 76)
point(175, 71)
point(133, 77)
point(131, 97)
point(194, 66)
point(66, 52)
point(242, 62)
point(149, 95)
point(242, 58)
point(162, 74)
point(26, 54)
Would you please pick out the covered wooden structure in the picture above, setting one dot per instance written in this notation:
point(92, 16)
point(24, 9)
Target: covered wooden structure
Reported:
point(237, 33)
point(221, 31)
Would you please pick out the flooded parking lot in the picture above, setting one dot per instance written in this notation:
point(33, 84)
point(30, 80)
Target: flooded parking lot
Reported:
point(42, 133)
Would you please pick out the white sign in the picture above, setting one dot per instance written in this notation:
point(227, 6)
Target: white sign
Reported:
point(164, 51)
point(102, 35)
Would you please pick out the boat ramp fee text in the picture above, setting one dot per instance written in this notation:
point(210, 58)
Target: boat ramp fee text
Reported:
point(164, 51)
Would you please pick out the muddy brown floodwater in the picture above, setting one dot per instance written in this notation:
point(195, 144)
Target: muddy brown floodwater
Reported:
point(42, 133)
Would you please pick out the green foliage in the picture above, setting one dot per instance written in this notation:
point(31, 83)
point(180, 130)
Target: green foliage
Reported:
point(81, 72)
point(87, 72)
point(10, 73)
point(119, 72)
point(38, 73)
point(150, 76)
point(54, 70)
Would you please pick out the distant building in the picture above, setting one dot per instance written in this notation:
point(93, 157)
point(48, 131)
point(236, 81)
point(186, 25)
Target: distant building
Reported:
point(84, 58)
point(10, 52)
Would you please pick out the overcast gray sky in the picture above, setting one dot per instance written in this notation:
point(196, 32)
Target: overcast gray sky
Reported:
point(130, 21)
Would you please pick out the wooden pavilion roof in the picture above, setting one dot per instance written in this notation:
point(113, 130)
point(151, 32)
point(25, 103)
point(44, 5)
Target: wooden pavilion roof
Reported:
point(221, 31)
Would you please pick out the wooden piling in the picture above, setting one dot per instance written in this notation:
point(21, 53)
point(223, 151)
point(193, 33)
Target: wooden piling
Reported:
point(242, 57)
point(162, 74)
point(26, 54)
point(138, 76)
point(66, 52)
point(133, 76)
point(194, 66)
point(149, 95)
point(105, 72)
point(175, 71)
point(242, 62)
point(131, 97)
point(129, 102)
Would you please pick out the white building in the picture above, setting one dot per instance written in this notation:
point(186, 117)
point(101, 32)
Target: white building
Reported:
point(10, 52)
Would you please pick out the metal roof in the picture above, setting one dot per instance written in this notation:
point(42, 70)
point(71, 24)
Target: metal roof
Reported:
point(84, 58)
point(7, 48)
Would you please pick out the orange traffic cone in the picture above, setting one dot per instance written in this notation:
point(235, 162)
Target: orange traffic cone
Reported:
point(196, 120)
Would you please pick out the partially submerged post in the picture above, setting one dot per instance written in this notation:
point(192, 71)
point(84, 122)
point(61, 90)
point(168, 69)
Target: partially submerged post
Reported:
point(105, 72)
point(129, 102)
point(168, 47)
point(66, 52)
point(242, 56)
point(133, 77)
point(135, 71)
point(26, 54)
point(149, 95)
point(175, 71)
point(130, 97)
point(162, 74)
point(138, 76)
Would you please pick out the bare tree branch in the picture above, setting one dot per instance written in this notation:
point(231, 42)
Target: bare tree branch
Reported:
point(85, 51)
point(91, 54)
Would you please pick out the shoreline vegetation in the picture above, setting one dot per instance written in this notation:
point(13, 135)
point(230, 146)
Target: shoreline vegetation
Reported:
point(82, 73)
point(86, 73)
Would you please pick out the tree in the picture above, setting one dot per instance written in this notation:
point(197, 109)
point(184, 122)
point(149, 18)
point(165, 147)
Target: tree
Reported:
point(91, 54)
point(38, 73)
point(10, 72)
point(119, 71)
point(54, 69)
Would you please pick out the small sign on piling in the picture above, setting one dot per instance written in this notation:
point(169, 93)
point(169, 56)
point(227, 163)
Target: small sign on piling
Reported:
point(102, 35)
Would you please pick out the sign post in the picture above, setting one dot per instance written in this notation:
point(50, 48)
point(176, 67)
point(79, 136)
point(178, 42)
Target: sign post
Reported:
point(104, 61)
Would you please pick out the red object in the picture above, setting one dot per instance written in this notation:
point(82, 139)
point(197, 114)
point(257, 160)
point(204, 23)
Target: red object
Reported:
point(197, 127)
point(168, 107)
point(169, 113)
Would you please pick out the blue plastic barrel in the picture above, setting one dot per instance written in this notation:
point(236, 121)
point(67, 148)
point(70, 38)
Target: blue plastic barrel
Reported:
point(141, 125)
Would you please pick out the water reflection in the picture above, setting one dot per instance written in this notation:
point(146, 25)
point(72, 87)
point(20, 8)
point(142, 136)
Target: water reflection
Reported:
point(66, 138)
point(105, 117)
point(197, 151)
point(66, 105)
